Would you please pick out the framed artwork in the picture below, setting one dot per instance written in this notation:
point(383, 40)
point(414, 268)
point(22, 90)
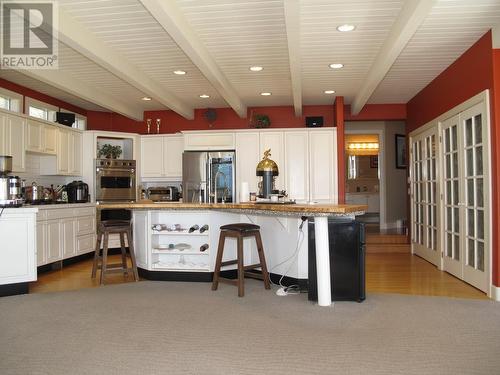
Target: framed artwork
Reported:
point(400, 151)
point(374, 161)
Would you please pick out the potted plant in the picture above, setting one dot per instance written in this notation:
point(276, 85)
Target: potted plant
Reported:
point(262, 121)
point(109, 151)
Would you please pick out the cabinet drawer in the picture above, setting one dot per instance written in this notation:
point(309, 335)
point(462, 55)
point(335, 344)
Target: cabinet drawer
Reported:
point(85, 211)
point(85, 244)
point(59, 213)
point(85, 225)
point(209, 141)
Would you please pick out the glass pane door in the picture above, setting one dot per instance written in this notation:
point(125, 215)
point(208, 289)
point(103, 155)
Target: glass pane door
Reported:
point(452, 193)
point(476, 263)
point(425, 191)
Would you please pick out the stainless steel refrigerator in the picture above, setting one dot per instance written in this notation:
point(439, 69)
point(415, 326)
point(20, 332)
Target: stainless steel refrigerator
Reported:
point(208, 176)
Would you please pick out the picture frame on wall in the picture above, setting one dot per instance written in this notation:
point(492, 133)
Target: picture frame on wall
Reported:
point(400, 140)
point(374, 161)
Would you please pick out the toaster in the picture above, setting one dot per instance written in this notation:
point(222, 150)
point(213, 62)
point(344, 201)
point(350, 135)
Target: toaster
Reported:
point(163, 194)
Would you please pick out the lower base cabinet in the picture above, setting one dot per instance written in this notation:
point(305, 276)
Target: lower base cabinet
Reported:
point(64, 233)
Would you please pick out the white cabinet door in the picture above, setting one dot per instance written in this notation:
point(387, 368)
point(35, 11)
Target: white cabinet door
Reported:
point(3, 134)
point(75, 153)
point(17, 252)
point(15, 133)
point(275, 142)
point(68, 238)
point(141, 238)
point(34, 141)
point(322, 166)
point(208, 141)
point(63, 158)
point(49, 134)
point(373, 201)
point(247, 158)
point(53, 241)
point(152, 157)
point(173, 147)
point(296, 166)
point(41, 243)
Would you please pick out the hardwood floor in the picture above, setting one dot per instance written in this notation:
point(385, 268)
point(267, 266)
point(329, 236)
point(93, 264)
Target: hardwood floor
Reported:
point(385, 273)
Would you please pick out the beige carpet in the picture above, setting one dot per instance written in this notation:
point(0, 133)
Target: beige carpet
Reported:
point(184, 328)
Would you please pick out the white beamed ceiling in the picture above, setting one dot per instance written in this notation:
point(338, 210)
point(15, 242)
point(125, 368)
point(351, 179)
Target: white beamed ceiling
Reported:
point(240, 34)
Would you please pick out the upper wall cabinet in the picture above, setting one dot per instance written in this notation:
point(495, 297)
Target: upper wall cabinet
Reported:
point(247, 158)
point(274, 140)
point(296, 168)
point(12, 137)
point(161, 156)
point(41, 138)
point(323, 166)
point(208, 141)
point(69, 154)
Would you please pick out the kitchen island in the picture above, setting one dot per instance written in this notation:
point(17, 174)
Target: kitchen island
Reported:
point(158, 249)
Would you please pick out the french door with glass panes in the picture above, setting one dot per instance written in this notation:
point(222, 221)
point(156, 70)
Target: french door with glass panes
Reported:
point(424, 195)
point(466, 215)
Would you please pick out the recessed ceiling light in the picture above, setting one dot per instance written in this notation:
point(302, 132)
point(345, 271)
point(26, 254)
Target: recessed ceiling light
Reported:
point(204, 96)
point(179, 72)
point(336, 66)
point(256, 68)
point(265, 93)
point(146, 98)
point(329, 91)
point(346, 27)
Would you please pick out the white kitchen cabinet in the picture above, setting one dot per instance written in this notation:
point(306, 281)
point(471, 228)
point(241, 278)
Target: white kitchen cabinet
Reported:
point(40, 137)
point(18, 245)
point(274, 140)
point(247, 158)
point(64, 232)
point(161, 156)
point(296, 168)
point(12, 140)
point(372, 200)
point(68, 237)
point(54, 241)
point(173, 146)
point(68, 158)
point(322, 166)
point(211, 140)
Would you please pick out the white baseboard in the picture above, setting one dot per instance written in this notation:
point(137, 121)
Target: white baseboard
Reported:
point(495, 293)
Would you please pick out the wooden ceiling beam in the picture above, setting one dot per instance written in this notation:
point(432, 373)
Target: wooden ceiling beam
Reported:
point(76, 36)
point(171, 18)
point(68, 83)
point(410, 18)
point(292, 22)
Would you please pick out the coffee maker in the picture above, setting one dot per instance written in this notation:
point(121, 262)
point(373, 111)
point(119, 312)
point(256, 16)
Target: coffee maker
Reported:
point(267, 170)
point(10, 186)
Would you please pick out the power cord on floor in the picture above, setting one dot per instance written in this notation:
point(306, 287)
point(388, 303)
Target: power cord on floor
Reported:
point(292, 289)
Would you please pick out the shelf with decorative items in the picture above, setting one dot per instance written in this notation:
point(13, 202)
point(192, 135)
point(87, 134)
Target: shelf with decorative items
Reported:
point(180, 241)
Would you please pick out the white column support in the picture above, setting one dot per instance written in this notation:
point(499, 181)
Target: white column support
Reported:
point(322, 260)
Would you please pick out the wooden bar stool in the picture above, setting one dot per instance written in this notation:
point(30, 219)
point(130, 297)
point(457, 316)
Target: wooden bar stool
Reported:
point(122, 227)
point(240, 231)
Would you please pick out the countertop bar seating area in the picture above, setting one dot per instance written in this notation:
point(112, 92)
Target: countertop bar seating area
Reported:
point(342, 153)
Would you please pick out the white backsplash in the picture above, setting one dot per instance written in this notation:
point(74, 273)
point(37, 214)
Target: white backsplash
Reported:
point(32, 173)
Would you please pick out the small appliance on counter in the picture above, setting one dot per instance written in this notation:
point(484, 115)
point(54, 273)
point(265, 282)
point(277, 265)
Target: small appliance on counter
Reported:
point(10, 186)
point(163, 194)
point(267, 170)
point(78, 192)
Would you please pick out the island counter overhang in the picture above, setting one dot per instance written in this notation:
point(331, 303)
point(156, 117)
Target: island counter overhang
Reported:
point(320, 212)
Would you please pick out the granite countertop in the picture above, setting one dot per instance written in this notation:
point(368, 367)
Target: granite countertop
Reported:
point(318, 209)
point(59, 205)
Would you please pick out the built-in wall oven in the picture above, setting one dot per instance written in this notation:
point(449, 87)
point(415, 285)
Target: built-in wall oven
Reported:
point(115, 180)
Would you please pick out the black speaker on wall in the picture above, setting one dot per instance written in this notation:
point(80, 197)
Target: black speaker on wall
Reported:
point(65, 118)
point(314, 121)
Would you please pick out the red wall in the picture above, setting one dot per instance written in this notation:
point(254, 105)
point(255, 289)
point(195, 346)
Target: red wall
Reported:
point(39, 96)
point(476, 70)
point(470, 74)
point(374, 112)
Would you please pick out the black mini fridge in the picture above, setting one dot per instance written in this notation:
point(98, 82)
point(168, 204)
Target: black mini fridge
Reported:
point(347, 260)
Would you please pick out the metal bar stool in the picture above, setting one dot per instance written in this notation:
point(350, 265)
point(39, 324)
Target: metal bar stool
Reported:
point(122, 227)
point(240, 231)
